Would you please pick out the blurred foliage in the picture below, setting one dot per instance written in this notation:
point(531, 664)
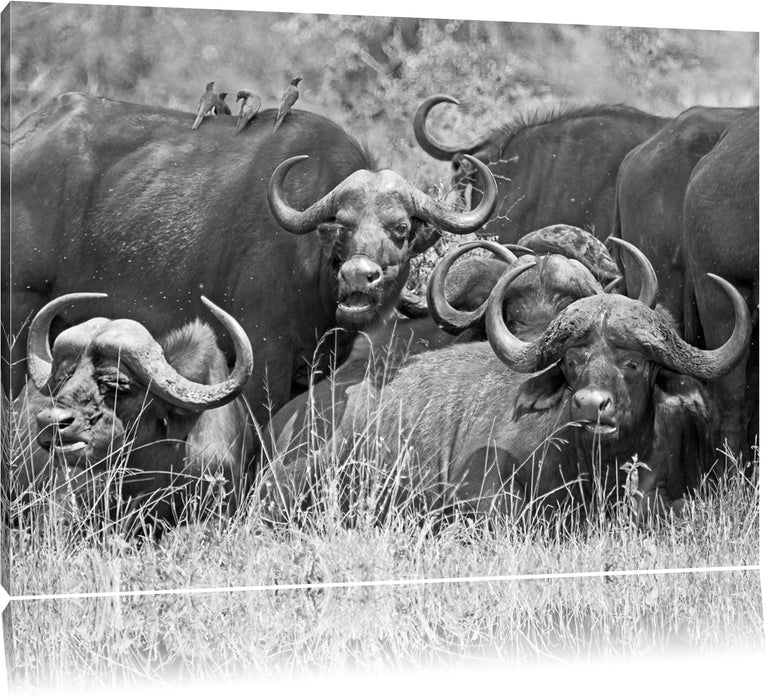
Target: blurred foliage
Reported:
point(370, 73)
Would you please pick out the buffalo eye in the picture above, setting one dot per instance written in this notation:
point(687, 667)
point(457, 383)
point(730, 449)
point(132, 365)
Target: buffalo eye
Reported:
point(573, 360)
point(115, 383)
point(570, 369)
point(344, 225)
point(62, 375)
point(399, 231)
point(630, 365)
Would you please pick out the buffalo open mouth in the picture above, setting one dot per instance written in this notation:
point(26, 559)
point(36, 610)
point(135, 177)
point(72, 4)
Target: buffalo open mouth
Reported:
point(59, 447)
point(69, 448)
point(72, 454)
point(600, 429)
point(68, 452)
point(355, 304)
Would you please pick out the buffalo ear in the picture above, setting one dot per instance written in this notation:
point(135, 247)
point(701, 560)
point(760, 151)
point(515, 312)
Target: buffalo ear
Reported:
point(177, 422)
point(423, 236)
point(193, 352)
point(680, 390)
point(327, 237)
point(684, 425)
point(540, 391)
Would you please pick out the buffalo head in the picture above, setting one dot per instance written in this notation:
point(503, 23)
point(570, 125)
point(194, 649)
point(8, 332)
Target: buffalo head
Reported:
point(370, 225)
point(112, 385)
point(570, 264)
point(608, 351)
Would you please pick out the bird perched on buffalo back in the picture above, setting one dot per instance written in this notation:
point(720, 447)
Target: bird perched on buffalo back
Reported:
point(221, 106)
point(290, 96)
point(206, 104)
point(251, 104)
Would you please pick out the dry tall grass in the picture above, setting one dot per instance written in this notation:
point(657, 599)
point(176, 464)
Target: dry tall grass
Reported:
point(357, 537)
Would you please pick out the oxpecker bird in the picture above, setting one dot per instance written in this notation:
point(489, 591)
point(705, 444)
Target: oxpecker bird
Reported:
point(290, 96)
point(221, 106)
point(206, 104)
point(251, 104)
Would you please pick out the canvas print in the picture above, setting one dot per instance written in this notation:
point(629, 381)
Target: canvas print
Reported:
point(361, 344)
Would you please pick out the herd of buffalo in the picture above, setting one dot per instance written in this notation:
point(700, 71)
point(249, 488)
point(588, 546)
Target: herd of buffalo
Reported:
point(604, 330)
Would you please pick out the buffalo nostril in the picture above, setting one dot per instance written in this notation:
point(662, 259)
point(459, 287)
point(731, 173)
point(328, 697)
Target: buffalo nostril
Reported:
point(65, 421)
point(55, 418)
point(359, 272)
point(592, 400)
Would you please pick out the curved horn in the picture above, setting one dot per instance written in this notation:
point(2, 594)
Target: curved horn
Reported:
point(294, 221)
point(519, 249)
point(448, 318)
point(460, 222)
point(670, 349)
point(513, 352)
point(151, 365)
point(614, 285)
point(647, 276)
point(39, 359)
point(428, 144)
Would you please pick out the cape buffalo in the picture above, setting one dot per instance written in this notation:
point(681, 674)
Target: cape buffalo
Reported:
point(650, 193)
point(161, 417)
point(531, 302)
point(555, 167)
point(133, 197)
point(468, 283)
point(570, 264)
point(721, 236)
point(600, 389)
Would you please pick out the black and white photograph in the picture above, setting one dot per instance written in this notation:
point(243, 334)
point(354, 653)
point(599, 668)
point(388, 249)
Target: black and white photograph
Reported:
point(353, 346)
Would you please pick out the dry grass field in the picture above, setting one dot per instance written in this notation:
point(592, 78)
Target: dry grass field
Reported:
point(406, 611)
point(290, 634)
point(370, 74)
